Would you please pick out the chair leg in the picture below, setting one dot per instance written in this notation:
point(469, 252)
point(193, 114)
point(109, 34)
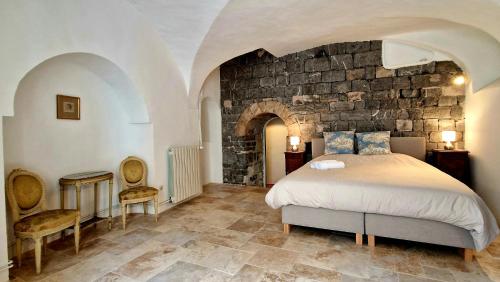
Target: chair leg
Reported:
point(155, 200)
point(19, 251)
point(145, 206)
point(38, 255)
point(44, 241)
point(77, 235)
point(124, 215)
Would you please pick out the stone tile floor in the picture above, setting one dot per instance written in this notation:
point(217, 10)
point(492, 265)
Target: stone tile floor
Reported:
point(230, 234)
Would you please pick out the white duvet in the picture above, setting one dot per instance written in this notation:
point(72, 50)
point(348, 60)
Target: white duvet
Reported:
point(393, 184)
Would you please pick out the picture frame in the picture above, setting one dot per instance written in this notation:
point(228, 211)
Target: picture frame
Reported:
point(68, 107)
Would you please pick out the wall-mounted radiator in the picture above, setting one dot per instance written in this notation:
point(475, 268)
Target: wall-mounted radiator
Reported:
point(184, 177)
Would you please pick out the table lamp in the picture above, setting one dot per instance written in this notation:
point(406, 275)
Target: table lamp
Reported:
point(448, 137)
point(294, 141)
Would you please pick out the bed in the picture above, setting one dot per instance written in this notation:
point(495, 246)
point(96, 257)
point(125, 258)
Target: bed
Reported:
point(396, 196)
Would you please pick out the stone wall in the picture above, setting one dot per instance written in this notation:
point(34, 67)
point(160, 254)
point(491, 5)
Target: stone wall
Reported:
point(341, 86)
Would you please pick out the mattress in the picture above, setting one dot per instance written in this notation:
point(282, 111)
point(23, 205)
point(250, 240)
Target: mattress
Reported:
point(393, 184)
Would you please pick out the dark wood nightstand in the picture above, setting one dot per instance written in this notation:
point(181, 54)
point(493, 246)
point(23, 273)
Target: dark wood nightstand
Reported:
point(453, 162)
point(293, 160)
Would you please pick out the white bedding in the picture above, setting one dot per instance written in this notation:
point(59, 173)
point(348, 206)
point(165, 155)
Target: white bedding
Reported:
point(393, 184)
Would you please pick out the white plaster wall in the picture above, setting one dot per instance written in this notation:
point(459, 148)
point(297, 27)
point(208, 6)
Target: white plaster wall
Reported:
point(35, 140)
point(482, 140)
point(276, 133)
point(211, 128)
point(4, 275)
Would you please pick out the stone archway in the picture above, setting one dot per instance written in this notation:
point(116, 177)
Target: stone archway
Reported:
point(268, 107)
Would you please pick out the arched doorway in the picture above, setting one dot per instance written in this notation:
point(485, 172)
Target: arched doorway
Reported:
point(112, 125)
point(244, 152)
point(275, 137)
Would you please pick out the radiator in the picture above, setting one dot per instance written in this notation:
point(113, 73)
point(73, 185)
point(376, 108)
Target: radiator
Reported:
point(184, 178)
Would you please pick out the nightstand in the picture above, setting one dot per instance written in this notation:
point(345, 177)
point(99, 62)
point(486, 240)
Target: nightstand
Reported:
point(453, 162)
point(293, 160)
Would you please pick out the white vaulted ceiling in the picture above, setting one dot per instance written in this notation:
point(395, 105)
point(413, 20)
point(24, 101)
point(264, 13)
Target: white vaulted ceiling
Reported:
point(203, 34)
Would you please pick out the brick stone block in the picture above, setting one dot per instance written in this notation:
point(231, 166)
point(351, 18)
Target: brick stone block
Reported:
point(228, 104)
point(295, 66)
point(356, 96)
point(317, 64)
point(453, 91)
point(431, 91)
point(370, 72)
point(418, 125)
point(298, 78)
point(341, 87)
point(356, 115)
point(383, 72)
point(426, 80)
point(267, 82)
point(360, 85)
point(381, 84)
point(341, 62)
point(260, 70)
point(456, 112)
point(447, 101)
point(410, 93)
point(333, 76)
point(460, 125)
point(314, 77)
point(322, 88)
point(404, 125)
point(446, 124)
point(415, 70)
point(341, 106)
point(355, 74)
point(437, 112)
point(329, 116)
point(357, 47)
point(372, 58)
point(401, 83)
point(282, 80)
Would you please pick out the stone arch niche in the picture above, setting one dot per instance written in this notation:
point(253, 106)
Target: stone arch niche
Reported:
point(243, 155)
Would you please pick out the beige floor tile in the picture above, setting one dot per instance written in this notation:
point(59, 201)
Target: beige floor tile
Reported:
point(274, 259)
point(247, 226)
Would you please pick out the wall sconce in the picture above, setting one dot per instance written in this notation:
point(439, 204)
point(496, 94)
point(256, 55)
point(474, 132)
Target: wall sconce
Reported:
point(448, 137)
point(294, 141)
point(459, 80)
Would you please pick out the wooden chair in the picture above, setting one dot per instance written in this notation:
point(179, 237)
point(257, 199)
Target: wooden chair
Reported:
point(133, 176)
point(26, 194)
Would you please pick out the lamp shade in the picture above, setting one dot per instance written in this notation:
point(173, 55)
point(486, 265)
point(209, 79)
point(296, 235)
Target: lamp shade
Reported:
point(294, 140)
point(449, 136)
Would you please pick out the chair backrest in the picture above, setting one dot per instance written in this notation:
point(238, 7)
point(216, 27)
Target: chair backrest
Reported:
point(26, 193)
point(133, 172)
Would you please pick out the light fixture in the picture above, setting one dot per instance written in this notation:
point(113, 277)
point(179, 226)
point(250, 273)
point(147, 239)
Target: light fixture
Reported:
point(459, 80)
point(448, 137)
point(294, 141)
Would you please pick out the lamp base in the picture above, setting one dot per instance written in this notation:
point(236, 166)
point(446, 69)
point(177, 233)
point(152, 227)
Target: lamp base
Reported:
point(449, 146)
point(294, 148)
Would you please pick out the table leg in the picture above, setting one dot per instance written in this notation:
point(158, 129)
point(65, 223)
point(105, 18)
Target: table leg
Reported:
point(61, 192)
point(96, 204)
point(78, 191)
point(110, 204)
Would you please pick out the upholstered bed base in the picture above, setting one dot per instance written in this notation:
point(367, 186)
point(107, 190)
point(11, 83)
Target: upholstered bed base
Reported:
point(397, 227)
point(323, 218)
point(418, 230)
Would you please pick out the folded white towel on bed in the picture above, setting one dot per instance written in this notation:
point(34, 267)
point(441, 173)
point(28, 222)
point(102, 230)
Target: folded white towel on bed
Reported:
point(327, 164)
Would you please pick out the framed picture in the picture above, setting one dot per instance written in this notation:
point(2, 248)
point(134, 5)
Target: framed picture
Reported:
point(68, 107)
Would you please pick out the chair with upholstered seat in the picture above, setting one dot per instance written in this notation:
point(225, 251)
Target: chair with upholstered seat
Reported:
point(133, 176)
point(26, 194)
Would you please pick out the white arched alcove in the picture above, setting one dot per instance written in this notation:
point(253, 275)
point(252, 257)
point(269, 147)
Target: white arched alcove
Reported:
point(34, 139)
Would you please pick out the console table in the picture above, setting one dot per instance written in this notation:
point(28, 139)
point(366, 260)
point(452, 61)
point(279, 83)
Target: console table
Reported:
point(85, 178)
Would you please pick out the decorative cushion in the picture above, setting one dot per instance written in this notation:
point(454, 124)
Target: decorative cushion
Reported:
point(45, 220)
point(339, 142)
point(137, 193)
point(374, 143)
point(27, 191)
point(133, 171)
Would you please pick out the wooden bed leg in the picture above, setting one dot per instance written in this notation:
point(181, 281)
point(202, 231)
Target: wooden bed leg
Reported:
point(468, 255)
point(359, 239)
point(286, 228)
point(371, 240)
